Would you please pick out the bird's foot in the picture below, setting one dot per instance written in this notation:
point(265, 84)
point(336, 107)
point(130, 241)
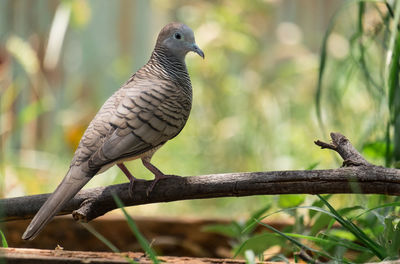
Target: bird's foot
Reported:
point(131, 186)
point(157, 173)
point(132, 179)
point(156, 179)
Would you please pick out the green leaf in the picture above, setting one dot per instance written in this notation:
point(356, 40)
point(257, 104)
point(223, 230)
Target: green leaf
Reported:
point(314, 208)
point(391, 238)
point(321, 72)
point(392, 65)
point(348, 210)
point(375, 149)
point(258, 243)
point(290, 200)
point(392, 80)
point(330, 241)
point(32, 111)
point(388, 145)
point(141, 239)
point(317, 203)
point(255, 215)
point(378, 250)
point(394, 204)
point(342, 234)
point(301, 245)
point(313, 165)
point(232, 230)
point(3, 240)
point(322, 221)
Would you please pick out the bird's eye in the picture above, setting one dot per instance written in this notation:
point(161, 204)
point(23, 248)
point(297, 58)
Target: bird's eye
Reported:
point(177, 36)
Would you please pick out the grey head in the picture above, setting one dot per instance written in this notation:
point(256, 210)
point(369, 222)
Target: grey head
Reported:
point(178, 40)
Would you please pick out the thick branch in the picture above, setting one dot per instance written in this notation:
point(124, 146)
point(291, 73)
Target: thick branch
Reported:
point(91, 203)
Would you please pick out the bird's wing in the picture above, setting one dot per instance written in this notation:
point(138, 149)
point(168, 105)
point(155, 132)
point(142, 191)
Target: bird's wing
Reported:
point(148, 115)
point(137, 118)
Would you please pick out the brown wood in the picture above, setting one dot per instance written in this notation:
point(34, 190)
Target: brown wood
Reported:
point(42, 256)
point(359, 177)
point(342, 145)
point(170, 236)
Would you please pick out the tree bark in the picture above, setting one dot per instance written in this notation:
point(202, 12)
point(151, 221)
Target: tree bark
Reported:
point(59, 256)
point(358, 177)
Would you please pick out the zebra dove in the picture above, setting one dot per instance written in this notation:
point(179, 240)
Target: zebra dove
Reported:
point(151, 108)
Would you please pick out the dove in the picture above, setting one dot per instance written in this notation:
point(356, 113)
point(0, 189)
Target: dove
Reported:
point(151, 108)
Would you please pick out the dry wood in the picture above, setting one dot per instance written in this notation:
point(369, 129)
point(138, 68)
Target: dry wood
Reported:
point(42, 256)
point(359, 177)
point(340, 144)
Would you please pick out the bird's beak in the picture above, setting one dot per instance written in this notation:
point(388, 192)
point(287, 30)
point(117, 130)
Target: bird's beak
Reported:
point(196, 49)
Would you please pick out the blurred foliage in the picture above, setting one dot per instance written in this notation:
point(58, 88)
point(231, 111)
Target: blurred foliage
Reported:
point(353, 234)
point(358, 90)
point(358, 85)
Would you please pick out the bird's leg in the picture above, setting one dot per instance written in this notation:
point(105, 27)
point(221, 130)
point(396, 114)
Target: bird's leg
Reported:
point(157, 173)
point(130, 177)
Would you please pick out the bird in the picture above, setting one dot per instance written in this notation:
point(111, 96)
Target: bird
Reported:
point(151, 108)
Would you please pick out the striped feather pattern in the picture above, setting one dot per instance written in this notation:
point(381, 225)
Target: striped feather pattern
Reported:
point(148, 110)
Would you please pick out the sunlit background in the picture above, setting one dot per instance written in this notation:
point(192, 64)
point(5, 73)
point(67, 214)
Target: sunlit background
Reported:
point(254, 94)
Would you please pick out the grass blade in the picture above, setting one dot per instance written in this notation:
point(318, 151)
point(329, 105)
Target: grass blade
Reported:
point(3, 240)
point(388, 151)
point(100, 237)
point(331, 241)
point(141, 239)
point(392, 81)
point(256, 215)
point(366, 240)
point(105, 241)
point(394, 204)
point(322, 64)
point(301, 245)
point(314, 208)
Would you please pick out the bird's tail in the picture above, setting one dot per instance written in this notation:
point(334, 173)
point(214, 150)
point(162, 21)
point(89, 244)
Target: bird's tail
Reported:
point(70, 185)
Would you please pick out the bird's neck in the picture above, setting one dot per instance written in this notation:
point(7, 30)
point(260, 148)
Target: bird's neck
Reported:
point(168, 61)
point(168, 66)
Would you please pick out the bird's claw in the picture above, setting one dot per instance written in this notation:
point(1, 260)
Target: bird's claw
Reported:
point(168, 176)
point(131, 186)
point(156, 179)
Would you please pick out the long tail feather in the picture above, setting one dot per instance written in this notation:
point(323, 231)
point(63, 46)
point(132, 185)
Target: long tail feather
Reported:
point(67, 189)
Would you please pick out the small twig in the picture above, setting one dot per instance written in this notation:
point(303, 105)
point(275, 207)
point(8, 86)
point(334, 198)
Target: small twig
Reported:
point(340, 144)
point(325, 145)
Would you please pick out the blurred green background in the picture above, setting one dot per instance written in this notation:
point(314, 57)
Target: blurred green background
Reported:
point(254, 94)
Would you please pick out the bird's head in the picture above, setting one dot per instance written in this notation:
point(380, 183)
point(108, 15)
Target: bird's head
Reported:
point(178, 39)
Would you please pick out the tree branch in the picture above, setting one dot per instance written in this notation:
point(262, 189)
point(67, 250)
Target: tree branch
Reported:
point(91, 203)
point(340, 144)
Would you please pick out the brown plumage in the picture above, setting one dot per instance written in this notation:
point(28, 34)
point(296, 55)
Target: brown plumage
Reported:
point(151, 108)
